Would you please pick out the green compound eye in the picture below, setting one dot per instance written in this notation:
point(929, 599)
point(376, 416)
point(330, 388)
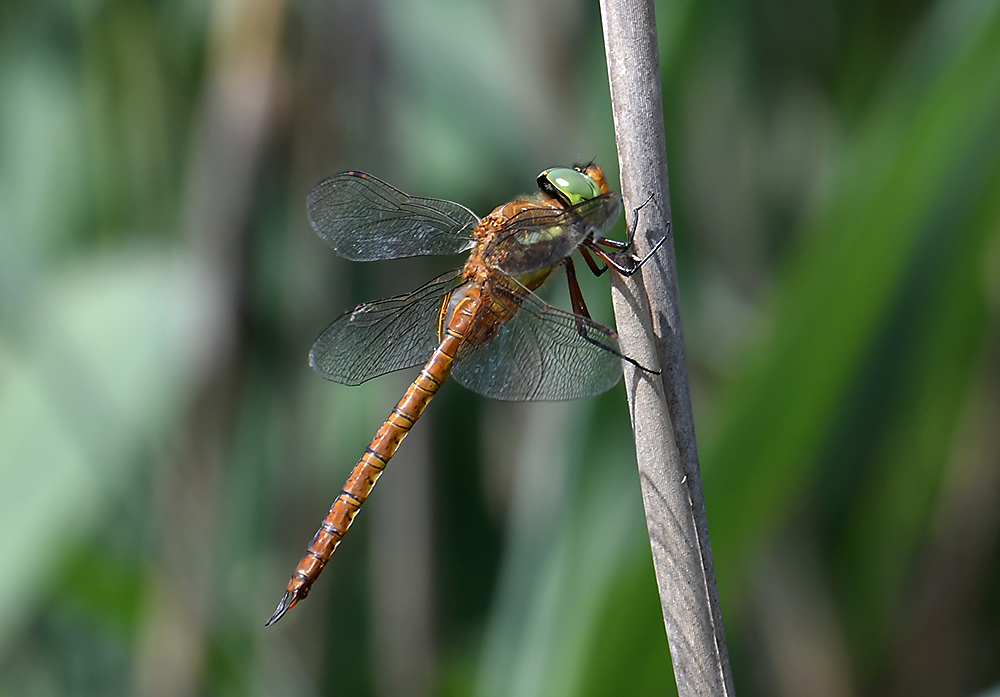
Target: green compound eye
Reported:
point(568, 185)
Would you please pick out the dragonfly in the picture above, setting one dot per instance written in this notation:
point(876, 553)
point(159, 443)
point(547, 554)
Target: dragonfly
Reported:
point(481, 324)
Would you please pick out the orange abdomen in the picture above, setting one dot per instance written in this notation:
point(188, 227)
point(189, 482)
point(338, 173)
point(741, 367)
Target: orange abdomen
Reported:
point(383, 446)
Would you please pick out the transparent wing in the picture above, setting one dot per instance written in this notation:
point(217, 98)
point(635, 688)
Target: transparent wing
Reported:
point(540, 237)
point(365, 219)
point(542, 354)
point(382, 336)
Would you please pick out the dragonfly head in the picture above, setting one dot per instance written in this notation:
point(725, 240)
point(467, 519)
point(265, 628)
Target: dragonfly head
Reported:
point(573, 186)
point(595, 173)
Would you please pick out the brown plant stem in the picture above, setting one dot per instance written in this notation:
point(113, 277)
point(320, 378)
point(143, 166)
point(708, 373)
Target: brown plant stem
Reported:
point(648, 319)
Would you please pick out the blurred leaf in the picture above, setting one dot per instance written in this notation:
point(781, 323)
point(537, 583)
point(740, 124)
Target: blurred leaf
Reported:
point(893, 511)
point(631, 647)
point(41, 159)
point(938, 109)
point(560, 564)
point(90, 385)
point(569, 570)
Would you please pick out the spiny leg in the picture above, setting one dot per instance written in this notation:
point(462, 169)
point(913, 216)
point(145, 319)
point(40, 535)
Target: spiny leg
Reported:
point(616, 255)
point(622, 246)
point(576, 297)
point(595, 269)
point(580, 312)
point(625, 264)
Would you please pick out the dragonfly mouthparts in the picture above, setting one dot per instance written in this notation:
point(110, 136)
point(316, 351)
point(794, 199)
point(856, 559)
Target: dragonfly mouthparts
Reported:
point(288, 601)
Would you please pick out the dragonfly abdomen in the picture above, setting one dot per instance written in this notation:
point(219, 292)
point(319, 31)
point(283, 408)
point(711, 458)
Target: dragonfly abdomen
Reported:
point(383, 446)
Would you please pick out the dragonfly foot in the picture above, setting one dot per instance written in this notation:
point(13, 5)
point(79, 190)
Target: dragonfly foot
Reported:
point(638, 261)
point(288, 601)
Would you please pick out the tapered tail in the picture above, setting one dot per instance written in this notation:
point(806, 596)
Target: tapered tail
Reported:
point(358, 486)
point(373, 462)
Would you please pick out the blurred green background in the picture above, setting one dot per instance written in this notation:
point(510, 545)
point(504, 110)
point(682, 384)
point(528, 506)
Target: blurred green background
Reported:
point(166, 453)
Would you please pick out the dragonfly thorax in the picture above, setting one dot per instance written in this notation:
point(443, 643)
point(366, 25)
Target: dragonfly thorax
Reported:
point(495, 227)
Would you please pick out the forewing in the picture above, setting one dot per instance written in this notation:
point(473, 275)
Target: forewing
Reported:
point(542, 354)
point(382, 336)
point(365, 219)
point(539, 237)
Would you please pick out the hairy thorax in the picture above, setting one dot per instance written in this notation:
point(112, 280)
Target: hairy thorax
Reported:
point(495, 294)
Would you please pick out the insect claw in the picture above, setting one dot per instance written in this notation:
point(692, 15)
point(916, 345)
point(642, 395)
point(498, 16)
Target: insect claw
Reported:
point(288, 601)
point(639, 261)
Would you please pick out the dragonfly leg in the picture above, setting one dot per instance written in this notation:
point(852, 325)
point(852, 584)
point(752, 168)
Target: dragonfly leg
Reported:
point(580, 312)
point(616, 255)
point(635, 220)
point(622, 246)
point(576, 296)
point(614, 244)
point(623, 263)
point(597, 271)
